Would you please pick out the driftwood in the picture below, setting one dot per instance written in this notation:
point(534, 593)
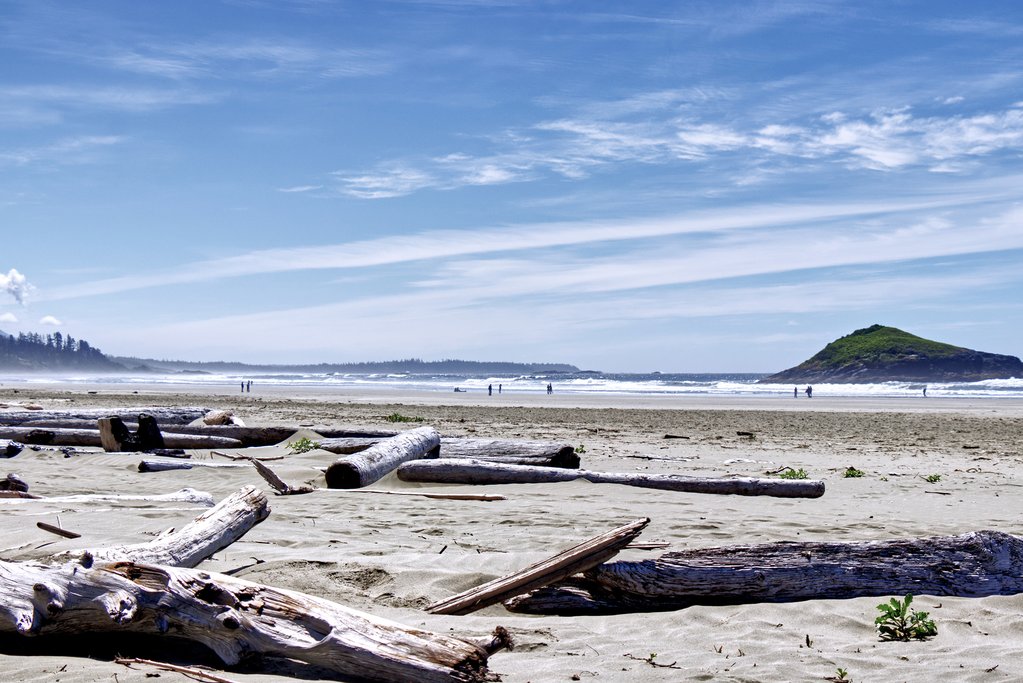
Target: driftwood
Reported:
point(9, 449)
point(181, 415)
point(12, 482)
point(509, 451)
point(362, 469)
point(168, 465)
point(975, 564)
point(56, 436)
point(278, 484)
point(452, 471)
point(185, 495)
point(115, 437)
point(57, 530)
point(574, 560)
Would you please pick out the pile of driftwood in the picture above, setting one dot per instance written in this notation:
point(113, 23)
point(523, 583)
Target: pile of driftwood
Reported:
point(152, 588)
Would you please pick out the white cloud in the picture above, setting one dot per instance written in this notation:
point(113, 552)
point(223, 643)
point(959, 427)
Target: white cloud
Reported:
point(8, 318)
point(50, 320)
point(15, 284)
point(300, 188)
point(66, 151)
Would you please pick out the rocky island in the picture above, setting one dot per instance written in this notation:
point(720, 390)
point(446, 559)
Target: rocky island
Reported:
point(886, 354)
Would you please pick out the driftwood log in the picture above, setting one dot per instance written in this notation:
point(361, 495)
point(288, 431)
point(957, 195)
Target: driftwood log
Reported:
point(363, 468)
point(574, 560)
point(170, 465)
point(118, 590)
point(56, 436)
point(975, 564)
point(12, 482)
point(9, 449)
point(185, 495)
point(181, 415)
point(508, 451)
point(454, 471)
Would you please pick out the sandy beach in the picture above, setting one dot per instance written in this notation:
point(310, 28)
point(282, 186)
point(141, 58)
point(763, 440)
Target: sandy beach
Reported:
point(393, 555)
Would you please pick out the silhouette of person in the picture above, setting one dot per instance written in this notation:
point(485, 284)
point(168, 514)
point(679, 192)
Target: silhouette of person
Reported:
point(248, 386)
point(795, 392)
point(499, 388)
point(925, 392)
point(809, 392)
point(490, 390)
point(550, 388)
point(243, 387)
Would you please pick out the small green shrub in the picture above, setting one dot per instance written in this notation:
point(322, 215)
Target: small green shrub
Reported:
point(898, 621)
point(853, 473)
point(790, 473)
point(303, 445)
point(398, 417)
point(932, 478)
point(580, 448)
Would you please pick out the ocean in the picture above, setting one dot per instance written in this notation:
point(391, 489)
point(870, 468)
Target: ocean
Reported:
point(652, 384)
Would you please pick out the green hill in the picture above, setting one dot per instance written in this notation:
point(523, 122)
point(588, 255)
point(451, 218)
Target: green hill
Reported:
point(887, 354)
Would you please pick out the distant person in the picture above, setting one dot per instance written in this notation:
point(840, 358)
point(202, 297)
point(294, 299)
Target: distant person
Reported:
point(248, 386)
point(550, 388)
point(499, 388)
point(490, 390)
point(795, 392)
point(809, 391)
point(243, 387)
point(925, 392)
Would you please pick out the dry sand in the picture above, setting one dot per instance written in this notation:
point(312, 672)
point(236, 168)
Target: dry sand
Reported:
point(392, 555)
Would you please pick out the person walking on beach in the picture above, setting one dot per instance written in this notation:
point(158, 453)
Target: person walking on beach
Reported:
point(925, 392)
point(499, 388)
point(809, 391)
point(795, 392)
point(248, 386)
point(490, 390)
point(550, 388)
point(243, 387)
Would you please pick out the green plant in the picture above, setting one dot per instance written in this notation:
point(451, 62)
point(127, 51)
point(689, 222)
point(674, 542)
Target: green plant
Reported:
point(580, 448)
point(790, 473)
point(303, 445)
point(841, 675)
point(398, 417)
point(932, 478)
point(898, 621)
point(852, 473)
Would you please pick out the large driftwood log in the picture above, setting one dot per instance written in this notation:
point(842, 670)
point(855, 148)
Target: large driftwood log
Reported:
point(574, 560)
point(975, 564)
point(362, 469)
point(185, 495)
point(508, 451)
point(214, 529)
point(452, 471)
point(170, 465)
point(232, 617)
point(181, 415)
point(55, 436)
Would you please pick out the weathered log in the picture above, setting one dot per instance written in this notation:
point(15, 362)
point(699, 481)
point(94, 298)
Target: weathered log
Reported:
point(116, 437)
point(452, 471)
point(278, 484)
point(214, 529)
point(975, 564)
point(9, 449)
point(573, 561)
point(509, 451)
point(232, 617)
point(170, 465)
point(185, 495)
point(362, 469)
point(57, 530)
point(164, 415)
point(54, 436)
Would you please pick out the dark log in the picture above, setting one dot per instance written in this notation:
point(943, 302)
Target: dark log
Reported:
point(508, 451)
point(170, 465)
point(362, 469)
point(577, 559)
point(116, 437)
point(452, 471)
point(91, 437)
point(248, 436)
point(13, 482)
point(165, 416)
point(9, 449)
point(975, 564)
point(57, 530)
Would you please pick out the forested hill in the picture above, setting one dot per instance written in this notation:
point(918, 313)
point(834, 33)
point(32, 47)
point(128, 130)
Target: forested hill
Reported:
point(414, 366)
point(34, 352)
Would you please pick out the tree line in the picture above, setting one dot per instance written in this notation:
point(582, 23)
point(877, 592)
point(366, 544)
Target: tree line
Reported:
point(34, 351)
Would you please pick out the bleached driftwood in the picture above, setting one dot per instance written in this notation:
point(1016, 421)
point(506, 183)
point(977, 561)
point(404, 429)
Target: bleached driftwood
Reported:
point(163, 415)
point(573, 561)
point(362, 469)
point(508, 451)
point(214, 529)
point(975, 564)
point(232, 617)
point(278, 484)
point(168, 465)
point(56, 436)
point(456, 471)
point(185, 495)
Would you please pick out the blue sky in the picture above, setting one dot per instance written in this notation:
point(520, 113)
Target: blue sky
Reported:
point(675, 186)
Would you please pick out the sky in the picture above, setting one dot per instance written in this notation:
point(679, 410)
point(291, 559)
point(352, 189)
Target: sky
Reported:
point(626, 186)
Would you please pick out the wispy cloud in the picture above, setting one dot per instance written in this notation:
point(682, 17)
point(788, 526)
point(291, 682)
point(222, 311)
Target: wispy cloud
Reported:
point(300, 188)
point(67, 151)
point(883, 140)
point(50, 321)
point(757, 224)
point(123, 98)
